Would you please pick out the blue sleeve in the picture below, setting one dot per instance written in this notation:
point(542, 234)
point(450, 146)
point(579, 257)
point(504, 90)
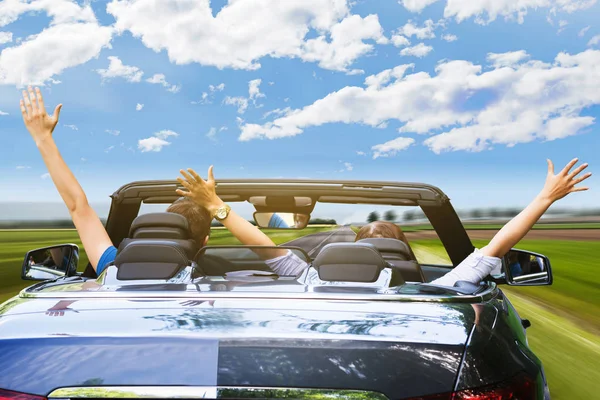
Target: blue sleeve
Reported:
point(277, 222)
point(107, 257)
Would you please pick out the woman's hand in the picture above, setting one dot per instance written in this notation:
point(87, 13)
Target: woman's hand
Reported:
point(559, 185)
point(37, 121)
point(201, 191)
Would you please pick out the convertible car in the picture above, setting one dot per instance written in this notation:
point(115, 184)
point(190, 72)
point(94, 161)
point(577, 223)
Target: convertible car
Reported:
point(170, 320)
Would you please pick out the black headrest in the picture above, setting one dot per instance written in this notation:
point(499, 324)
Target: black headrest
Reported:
point(387, 247)
point(163, 225)
point(349, 262)
point(150, 259)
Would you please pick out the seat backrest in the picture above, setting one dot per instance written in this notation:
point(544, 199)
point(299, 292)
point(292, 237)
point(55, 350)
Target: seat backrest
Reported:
point(398, 255)
point(392, 248)
point(162, 226)
point(150, 259)
point(349, 262)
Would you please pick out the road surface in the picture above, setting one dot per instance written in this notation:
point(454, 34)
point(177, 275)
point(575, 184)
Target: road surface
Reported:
point(314, 242)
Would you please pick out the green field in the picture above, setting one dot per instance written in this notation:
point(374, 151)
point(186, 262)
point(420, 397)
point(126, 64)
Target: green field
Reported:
point(472, 226)
point(565, 317)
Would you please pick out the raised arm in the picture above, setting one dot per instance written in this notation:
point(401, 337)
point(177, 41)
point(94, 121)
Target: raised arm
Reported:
point(204, 194)
point(40, 125)
point(556, 187)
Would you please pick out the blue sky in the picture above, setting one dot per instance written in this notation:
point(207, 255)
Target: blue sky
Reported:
point(488, 96)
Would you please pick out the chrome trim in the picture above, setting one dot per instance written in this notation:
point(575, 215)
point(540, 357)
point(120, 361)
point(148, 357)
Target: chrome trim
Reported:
point(490, 293)
point(208, 392)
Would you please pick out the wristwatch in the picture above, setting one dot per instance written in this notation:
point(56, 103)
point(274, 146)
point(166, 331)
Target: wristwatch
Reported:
point(222, 212)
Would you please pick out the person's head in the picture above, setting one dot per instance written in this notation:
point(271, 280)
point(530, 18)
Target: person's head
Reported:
point(198, 218)
point(381, 229)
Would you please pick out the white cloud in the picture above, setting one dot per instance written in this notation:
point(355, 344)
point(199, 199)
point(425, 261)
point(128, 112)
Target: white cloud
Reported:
point(561, 25)
point(348, 166)
point(583, 31)
point(74, 127)
point(594, 41)
point(30, 62)
point(508, 59)
point(509, 9)
point(108, 149)
point(74, 34)
point(449, 37)
point(212, 134)
point(23, 167)
point(138, 107)
point(277, 112)
point(392, 147)
point(113, 132)
point(399, 40)
point(425, 32)
point(45, 176)
point(152, 144)
point(420, 50)
point(261, 30)
point(159, 79)
point(165, 133)
point(361, 153)
point(83, 159)
point(3, 113)
point(218, 88)
point(207, 97)
point(416, 5)
point(461, 107)
point(5, 37)
point(242, 103)
point(116, 69)
point(157, 142)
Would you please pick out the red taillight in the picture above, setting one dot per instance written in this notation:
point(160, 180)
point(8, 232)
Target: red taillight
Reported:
point(8, 395)
point(520, 387)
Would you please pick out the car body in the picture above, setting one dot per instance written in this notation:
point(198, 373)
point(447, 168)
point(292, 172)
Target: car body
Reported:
point(123, 335)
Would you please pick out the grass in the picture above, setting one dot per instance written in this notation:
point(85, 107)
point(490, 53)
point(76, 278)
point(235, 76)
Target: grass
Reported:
point(544, 226)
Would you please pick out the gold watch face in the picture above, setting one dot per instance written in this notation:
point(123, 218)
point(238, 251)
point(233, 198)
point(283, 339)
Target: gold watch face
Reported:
point(221, 213)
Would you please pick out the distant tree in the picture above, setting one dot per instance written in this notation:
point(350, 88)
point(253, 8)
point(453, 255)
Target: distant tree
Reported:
point(476, 213)
point(408, 216)
point(494, 213)
point(373, 216)
point(322, 221)
point(390, 215)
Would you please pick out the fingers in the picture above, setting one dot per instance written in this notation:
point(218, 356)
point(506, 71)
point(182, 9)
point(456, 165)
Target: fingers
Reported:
point(568, 167)
point(27, 103)
point(185, 183)
point(211, 176)
point(550, 167)
point(33, 99)
point(57, 112)
point(581, 178)
point(577, 170)
point(186, 176)
point(579, 189)
point(195, 175)
point(40, 100)
point(23, 109)
point(183, 193)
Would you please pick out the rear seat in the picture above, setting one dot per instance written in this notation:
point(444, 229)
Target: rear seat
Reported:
point(398, 254)
point(164, 226)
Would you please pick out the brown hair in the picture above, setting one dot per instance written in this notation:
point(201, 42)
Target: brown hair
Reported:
point(198, 218)
point(381, 229)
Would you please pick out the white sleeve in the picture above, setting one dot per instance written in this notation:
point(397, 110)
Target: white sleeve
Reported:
point(472, 269)
point(287, 265)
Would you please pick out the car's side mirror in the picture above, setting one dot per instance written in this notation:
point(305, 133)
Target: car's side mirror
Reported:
point(50, 262)
point(525, 268)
